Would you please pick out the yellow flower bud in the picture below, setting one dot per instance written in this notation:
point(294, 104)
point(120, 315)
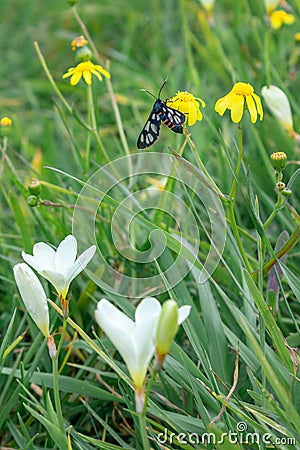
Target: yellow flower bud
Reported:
point(5, 126)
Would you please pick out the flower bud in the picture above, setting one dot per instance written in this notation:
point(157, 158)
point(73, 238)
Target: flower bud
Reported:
point(166, 331)
point(34, 187)
point(279, 105)
point(32, 200)
point(83, 54)
point(278, 160)
point(72, 2)
point(5, 126)
point(33, 296)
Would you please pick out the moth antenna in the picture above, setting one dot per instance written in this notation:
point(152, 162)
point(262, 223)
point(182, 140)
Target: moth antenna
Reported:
point(145, 90)
point(166, 79)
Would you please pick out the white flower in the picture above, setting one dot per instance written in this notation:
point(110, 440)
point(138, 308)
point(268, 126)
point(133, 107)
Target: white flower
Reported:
point(207, 4)
point(33, 296)
point(59, 267)
point(271, 5)
point(134, 340)
point(279, 105)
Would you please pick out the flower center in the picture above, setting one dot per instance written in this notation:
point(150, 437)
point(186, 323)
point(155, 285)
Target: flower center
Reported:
point(244, 89)
point(185, 96)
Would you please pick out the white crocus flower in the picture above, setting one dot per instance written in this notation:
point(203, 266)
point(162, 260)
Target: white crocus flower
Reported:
point(33, 296)
point(279, 105)
point(59, 267)
point(135, 340)
point(207, 4)
point(271, 5)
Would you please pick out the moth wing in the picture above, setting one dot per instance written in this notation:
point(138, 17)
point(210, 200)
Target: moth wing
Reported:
point(150, 132)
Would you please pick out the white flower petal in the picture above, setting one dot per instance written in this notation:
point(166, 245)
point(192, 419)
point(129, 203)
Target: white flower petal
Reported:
point(32, 261)
point(43, 256)
point(66, 254)
point(33, 296)
point(80, 264)
point(117, 326)
point(57, 279)
point(183, 313)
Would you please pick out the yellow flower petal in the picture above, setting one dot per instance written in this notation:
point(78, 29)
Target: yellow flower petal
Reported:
point(98, 75)
point(258, 106)
point(192, 114)
point(87, 76)
point(252, 108)
point(75, 78)
point(237, 108)
point(223, 103)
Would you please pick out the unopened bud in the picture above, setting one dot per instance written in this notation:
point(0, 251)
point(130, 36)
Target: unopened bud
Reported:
point(34, 187)
point(32, 200)
point(278, 160)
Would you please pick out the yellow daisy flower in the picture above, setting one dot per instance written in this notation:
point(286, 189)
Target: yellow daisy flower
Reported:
point(279, 18)
point(235, 100)
point(188, 105)
point(85, 70)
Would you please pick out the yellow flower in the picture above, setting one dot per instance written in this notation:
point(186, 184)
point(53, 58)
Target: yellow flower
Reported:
point(5, 122)
point(78, 42)
point(188, 105)
point(279, 18)
point(235, 102)
point(297, 37)
point(85, 70)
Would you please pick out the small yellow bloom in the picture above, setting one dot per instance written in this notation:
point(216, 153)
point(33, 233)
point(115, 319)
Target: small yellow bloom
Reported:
point(85, 70)
point(297, 37)
point(5, 122)
point(188, 105)
point(279, 18)
point(78, 42)
point(235, 102)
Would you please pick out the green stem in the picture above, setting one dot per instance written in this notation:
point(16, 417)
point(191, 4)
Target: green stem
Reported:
point(55, 379)
point(143, 432)
point(109, 86)
point(267, 56)
point(200, 163)
point(232, 194)
point(50, 78)
point(239, 163)
point(91, 107)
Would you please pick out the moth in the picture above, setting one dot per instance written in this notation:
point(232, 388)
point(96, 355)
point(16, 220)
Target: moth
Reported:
point(172, 118)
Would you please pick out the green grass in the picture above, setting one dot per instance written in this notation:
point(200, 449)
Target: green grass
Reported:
point(231, 338)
